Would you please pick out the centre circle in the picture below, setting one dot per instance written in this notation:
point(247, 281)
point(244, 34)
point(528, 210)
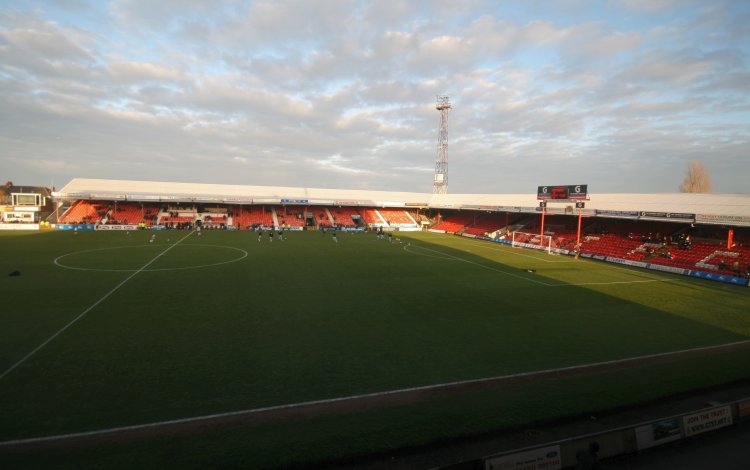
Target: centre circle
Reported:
point(62, 262)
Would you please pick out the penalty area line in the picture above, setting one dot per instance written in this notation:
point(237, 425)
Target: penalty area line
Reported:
point(81, 315)
point(458, 258)
point(649, 276)
point(329, 401)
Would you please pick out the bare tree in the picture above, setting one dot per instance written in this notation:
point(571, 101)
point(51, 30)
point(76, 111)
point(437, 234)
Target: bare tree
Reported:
point(5, 192)
point(697, 180)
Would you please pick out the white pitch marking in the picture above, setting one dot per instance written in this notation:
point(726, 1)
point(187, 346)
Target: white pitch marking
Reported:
point(451, 257)
point(361, 396)
point(406, 248)
point(514, 253)
point(614, 266)
point(48, 340)
point(608, 283)
point(457, 258)
point(57, 260)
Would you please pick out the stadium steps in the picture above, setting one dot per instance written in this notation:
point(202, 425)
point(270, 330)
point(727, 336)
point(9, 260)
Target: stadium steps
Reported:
point(396, 217)
point(380, 216)
point(329, 215)
point(275, 217)
point(411, 218)
point(55, 216)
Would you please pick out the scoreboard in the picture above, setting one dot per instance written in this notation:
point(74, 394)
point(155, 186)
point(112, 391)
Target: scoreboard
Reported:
point(575, 192)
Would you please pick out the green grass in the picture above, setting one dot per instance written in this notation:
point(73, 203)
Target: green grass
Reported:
point(308, 319)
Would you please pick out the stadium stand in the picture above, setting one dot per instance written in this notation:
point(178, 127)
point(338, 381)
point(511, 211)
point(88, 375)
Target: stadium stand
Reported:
point(667, 244)
point(624, 229)
point(486, 223)
point(674, 244)
point(344, 216)
point(455, 222)
point(371, 216)
point(85, 212)
point(293, 216)
point(396, 216)
point(214, 220)
point(132, 213)
point(322, 217)
point(248, 216)
point(711, 257)
point(615, 246)
point(646, 230)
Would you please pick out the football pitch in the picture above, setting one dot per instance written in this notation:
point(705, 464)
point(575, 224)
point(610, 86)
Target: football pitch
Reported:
point(313, 350)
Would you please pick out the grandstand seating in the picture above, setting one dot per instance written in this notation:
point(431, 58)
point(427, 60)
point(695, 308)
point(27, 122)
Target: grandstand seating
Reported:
point(655, 243)
point(85, 212)
point(563, 238)
point(253, 215)
point(343, 215)
point(414, 213)
point(370, 216)
point(396, 216)
point(706, 256)
point(293, 216)
point(321, 217)
point(150, 213)
point(455, 222)
point(215, 220)
point(638, 229)
point(615, 246)
point(487, 223)
point(422, 219)
point(132, 213)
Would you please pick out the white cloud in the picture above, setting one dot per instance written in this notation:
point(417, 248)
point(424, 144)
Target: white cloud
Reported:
point(300, 93)
point(338, 163)
point(133, 72)
point(653, 5)
point(46, 41)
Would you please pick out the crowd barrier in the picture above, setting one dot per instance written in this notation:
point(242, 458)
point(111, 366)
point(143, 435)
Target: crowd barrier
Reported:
point(616, 442)
point(19, 226)
point(75, 227)
point(117, 227)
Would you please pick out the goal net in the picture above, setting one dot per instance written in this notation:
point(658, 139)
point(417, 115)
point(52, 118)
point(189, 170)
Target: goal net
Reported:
point(534, 240)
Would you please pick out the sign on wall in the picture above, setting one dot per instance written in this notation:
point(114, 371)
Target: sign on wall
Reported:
point(709, 420)
point(658, 433)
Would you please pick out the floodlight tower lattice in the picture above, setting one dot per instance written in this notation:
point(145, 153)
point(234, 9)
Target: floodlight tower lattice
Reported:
point(440, 185)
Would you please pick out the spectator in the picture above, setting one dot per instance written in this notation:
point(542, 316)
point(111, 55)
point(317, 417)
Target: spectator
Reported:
point(587, 459)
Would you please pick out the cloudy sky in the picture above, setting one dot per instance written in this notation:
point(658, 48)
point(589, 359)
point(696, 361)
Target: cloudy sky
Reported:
point(620, 95)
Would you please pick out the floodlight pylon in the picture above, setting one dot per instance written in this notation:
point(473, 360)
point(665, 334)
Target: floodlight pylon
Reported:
point(440, 184)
